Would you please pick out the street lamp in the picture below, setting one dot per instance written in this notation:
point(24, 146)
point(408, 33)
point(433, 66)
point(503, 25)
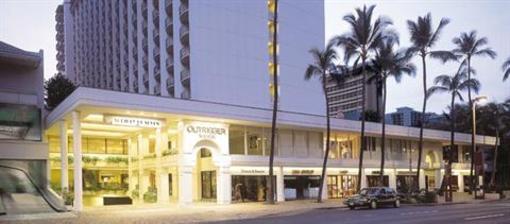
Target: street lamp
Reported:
point(477, 100)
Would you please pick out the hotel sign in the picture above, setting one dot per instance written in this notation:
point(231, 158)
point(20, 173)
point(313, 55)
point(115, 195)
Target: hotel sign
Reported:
point(134, 122)
point(206, 131)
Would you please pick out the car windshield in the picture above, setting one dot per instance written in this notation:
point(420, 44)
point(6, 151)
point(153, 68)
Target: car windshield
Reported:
point(366, 191)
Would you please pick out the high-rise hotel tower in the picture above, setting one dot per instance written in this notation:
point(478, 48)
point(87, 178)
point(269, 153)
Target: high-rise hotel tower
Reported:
point(216, 51)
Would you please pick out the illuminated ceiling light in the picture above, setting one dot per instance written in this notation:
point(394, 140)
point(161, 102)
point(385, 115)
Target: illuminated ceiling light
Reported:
point(109, 127)
point(94, 117)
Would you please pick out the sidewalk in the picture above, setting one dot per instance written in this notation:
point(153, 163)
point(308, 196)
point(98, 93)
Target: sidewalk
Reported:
point(174, 213)
point(195, 213)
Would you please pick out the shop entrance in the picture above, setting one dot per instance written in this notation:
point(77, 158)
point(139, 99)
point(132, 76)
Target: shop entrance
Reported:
point(405, 183)
point(206, 176)
point(208, 185)
point(250, 188)
point(341, 186)
point(373, 181)
point(301, 187)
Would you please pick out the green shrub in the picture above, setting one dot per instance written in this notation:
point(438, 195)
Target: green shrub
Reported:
point(151, 196)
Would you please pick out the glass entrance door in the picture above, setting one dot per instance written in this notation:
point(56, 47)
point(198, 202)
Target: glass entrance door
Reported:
point(208, 184)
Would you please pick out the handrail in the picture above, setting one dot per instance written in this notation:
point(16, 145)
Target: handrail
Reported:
point(43, 193)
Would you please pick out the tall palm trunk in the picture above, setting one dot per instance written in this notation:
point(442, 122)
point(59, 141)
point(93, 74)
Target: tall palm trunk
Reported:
point(325, 162)
point(448, 195)
point(422, 122)
point(473, 148)
point(383, 140)
point(363, 142)
point(494, 163)
point(270, 190)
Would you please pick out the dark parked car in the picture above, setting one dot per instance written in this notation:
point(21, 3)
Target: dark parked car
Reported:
point(374, 197)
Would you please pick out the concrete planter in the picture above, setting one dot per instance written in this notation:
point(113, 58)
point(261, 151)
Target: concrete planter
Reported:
point(492, 196)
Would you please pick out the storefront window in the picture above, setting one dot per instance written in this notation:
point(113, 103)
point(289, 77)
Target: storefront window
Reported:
point(341, 186)
point(236, 140)
point(405, 183)
point(466, 154)
point(267, 142)
point(373, 181)
point(301, 187)
point(250, 188)
point(315, 144)
point(300, 144)
point(116, 146)
point(94, 145)
point(255, 141)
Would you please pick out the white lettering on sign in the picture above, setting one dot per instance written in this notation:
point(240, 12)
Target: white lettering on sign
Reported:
point(135, 122)
point(206, 132)
point(252, 171)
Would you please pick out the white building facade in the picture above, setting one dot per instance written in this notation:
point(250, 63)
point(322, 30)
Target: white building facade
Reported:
point(164, 150)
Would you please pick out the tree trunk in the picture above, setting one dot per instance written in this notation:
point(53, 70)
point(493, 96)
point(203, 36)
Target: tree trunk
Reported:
point(494, 163)
point(473, 147)
point(383, 139)
point(422, 122)
point(270, 190)
point(326, 154)
point(448, 195)
point(363, 142)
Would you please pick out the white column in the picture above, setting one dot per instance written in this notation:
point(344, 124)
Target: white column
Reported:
point(392, 178)
point(64, 177)
point(144, 183)
point(130, 165)
point(223, 186)
point(460, 179)
point(185, 184)
point(421, 179)
point(163, 185)
point(363, 180)
point(438, 178)
point(280, 185)
point(78, 201)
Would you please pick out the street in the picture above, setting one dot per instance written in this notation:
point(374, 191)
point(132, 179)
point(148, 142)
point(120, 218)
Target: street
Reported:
point(495, 212)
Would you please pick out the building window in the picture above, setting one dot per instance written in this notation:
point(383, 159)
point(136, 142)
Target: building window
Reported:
point(236, 140)
point(256, 141)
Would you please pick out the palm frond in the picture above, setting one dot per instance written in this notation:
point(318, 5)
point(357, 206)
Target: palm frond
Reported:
point(444, 56)
point(435, 35)
point(435, 89)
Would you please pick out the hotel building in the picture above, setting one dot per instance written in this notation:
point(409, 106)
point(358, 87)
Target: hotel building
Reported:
point(174, 106)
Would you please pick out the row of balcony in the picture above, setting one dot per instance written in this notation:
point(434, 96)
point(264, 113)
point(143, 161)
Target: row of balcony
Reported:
point(183, 13)
point(184, 53)
point(168, 8)
point(185, 76)
point(184, 35)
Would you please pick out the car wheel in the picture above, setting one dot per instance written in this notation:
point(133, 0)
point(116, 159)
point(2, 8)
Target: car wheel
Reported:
point(352, 207)
point(397, 204)
point(373, 204)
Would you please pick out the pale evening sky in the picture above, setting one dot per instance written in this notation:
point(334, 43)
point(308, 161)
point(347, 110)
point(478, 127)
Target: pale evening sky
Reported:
point(30, 25)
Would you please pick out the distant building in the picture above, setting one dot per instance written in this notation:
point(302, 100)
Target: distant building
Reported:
point(404, 116)
point(345, 99)
point(21, 108)
point(407, 116)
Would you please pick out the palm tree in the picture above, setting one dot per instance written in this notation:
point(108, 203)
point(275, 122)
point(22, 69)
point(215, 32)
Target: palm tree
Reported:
point(322, 67)
point(454, 85)
point(423, 38)
point(389, 63)
point(363, 39)
point(497, 112)
point(506, 69)
point(468, 46)
point(270, 190)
